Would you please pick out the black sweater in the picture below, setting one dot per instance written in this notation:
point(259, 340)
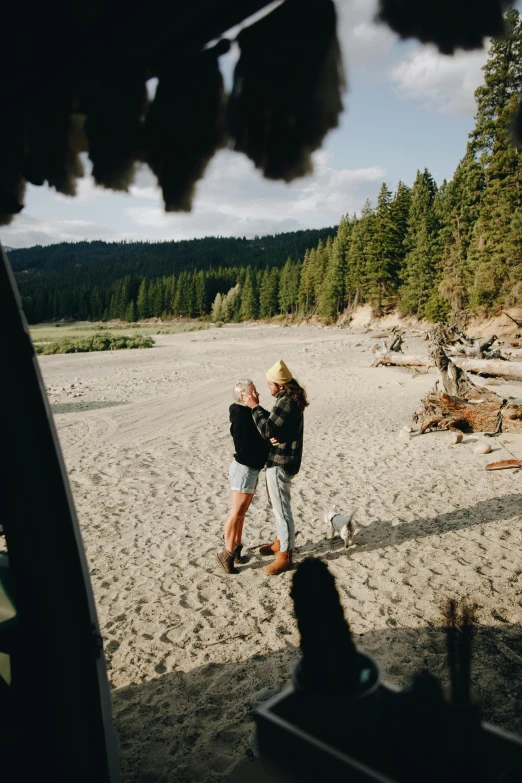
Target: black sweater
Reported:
point(251, 448)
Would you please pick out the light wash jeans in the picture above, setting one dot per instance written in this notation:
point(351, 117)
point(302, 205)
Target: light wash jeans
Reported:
point(278, 487)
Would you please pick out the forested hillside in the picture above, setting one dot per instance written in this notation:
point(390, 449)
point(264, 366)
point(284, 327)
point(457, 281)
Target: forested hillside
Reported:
point(427, 250)
point(80, 280)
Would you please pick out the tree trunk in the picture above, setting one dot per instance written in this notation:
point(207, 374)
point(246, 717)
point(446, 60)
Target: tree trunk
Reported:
point(504, 369)
point(480, 366)
point(396, 343)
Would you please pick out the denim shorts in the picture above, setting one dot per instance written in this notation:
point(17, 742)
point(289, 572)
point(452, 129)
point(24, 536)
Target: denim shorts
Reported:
point(242, 478)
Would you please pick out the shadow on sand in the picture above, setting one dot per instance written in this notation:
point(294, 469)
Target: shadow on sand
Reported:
point(381, 533)
point(77, 405)
point(195, 726)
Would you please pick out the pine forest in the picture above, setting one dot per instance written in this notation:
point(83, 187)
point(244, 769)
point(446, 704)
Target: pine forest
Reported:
point(428, 251)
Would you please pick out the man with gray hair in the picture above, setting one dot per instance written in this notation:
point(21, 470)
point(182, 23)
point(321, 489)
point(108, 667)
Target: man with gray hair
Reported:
point(251, 454)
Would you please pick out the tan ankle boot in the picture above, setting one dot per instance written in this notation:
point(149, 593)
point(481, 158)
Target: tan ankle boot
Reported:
point(226, 560)
point(270, 549)
point(282, 562)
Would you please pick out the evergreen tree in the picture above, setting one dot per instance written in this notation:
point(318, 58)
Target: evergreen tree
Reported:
point(200, 293)
point(333, 296)
point(382, 270)
point(359, 256)
point(170, 290)
point(130, 313)
point(216, 309)
point(184, 296)
point(420, 269)
point(492, 146)
point(142, 304)
point(156, 298)
point(96, 304)
point(289, 286)
point(248, 301)
point(400, 211)
point(269, 293)
point(457, 205)
point(306, 285)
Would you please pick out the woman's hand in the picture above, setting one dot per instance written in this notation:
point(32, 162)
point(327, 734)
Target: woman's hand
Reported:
point(275, 442)
point(251, 400)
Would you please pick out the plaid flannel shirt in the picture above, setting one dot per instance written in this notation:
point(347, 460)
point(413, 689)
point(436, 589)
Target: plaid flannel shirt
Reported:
point(286, 423)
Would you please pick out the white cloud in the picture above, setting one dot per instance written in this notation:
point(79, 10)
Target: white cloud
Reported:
point(234, 199)
point(442, 83)
point(363, 42)
point(26, 231)
point(419, 73)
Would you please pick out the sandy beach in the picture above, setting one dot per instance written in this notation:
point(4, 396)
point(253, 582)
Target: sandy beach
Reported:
point(146, 441)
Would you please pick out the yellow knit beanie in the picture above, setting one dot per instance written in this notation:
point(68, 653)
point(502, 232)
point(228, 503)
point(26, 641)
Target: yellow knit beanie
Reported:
point(279, 373)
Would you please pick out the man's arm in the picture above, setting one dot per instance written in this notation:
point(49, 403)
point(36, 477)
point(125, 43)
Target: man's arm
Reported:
point(271, 425)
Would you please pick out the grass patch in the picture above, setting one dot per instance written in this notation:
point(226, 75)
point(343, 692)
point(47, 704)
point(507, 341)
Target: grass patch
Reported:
point(184, 327)
point(96, 342)
point(51, 332)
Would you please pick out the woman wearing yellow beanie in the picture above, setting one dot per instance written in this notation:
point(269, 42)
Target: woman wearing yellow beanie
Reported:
point(283, 427)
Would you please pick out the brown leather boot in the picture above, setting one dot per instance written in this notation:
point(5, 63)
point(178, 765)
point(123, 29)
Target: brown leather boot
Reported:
point(270, 549)
point(282, 562)
point(226, 560)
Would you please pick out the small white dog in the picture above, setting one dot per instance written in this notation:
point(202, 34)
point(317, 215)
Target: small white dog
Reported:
point(341, 525)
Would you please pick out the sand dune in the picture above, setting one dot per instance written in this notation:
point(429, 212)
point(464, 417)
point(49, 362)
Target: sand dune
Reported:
point(147, 448)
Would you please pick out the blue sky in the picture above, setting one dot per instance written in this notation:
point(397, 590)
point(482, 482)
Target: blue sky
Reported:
point(407, 107)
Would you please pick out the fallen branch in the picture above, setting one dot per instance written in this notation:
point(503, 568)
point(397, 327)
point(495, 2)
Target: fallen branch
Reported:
point(402, 360)
point(505, 369)
point(222, 641)
point(518, 323)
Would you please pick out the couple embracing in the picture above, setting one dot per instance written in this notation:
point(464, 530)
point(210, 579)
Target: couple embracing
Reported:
point(265, 439)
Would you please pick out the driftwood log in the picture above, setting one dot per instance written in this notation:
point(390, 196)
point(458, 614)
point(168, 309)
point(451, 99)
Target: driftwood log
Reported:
point(504, 369)
point(464, 407)
point(480, 349)
point(461, 406)
point(402, 360)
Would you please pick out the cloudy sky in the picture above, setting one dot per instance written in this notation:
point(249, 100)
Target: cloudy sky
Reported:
point(407, 107)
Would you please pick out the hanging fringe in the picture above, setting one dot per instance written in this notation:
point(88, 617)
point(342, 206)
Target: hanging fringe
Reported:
point(449, 24)
point(114, 127)
point(12, 182)
point(287, 88)
point(50, 156)
point(185, 125)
